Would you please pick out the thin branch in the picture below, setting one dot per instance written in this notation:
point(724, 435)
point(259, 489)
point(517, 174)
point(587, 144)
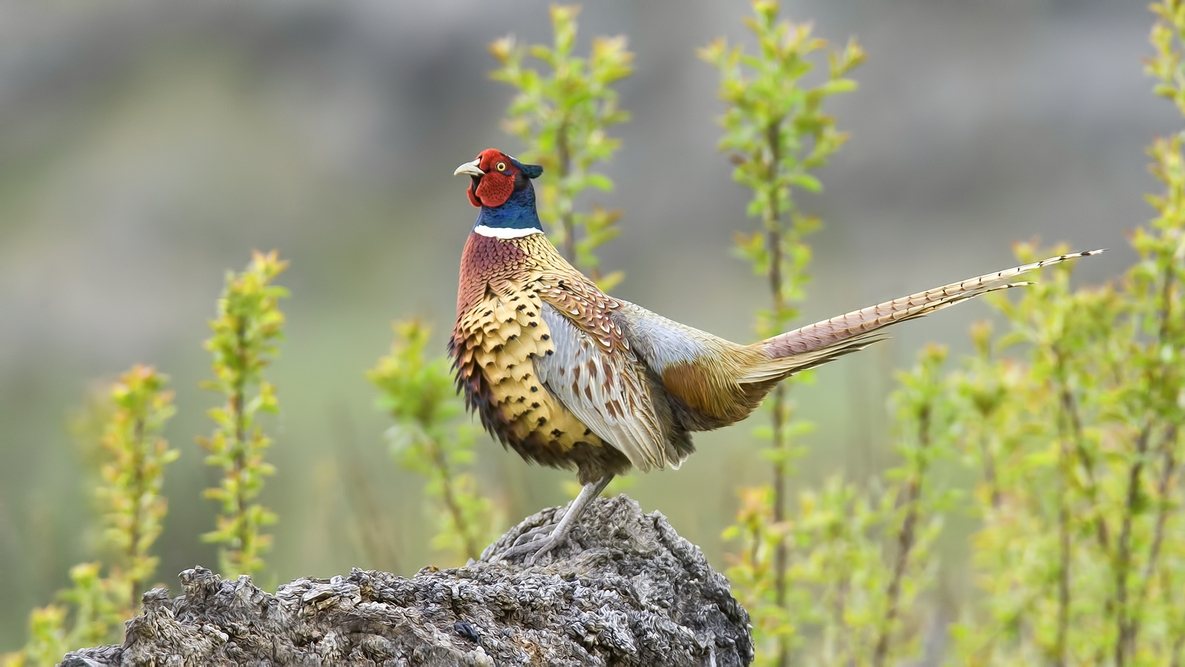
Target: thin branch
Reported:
point(450, 501)
point(1123, 553)
point(1163, 488)
point(138, 456)
point(567, 221)
point(1128, 622)
point(906, 539)
point(1070, 409)
point(1063, 521)
point(989, 468)
point(237, 406)
point(1167, 474)
point(774, 247)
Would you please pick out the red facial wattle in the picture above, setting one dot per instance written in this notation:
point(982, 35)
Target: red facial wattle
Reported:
point(497, 184)
point(494, 189)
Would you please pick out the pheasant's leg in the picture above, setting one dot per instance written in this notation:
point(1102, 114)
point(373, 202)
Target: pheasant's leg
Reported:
point(571, 516)
point(560, 533)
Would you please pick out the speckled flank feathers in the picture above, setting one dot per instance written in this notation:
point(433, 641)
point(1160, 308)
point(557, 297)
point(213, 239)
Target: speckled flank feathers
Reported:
point(500, 337)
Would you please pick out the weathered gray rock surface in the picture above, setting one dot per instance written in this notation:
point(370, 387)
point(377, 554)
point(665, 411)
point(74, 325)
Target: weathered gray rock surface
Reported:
point(627, 591)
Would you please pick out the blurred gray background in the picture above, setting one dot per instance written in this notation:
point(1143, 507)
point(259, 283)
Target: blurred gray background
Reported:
point(147, 146)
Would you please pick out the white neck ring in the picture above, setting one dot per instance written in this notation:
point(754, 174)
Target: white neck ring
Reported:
point(506, 232)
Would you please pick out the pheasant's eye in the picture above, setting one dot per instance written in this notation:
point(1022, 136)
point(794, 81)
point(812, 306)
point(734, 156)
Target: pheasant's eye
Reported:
point(501, 166)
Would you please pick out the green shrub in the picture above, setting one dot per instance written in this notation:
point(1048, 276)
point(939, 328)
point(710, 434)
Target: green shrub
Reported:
point(431, 437)
point(1072, 418)
point(132, 457)
point(248, 325)
point(562, 116)
point(1077, 435)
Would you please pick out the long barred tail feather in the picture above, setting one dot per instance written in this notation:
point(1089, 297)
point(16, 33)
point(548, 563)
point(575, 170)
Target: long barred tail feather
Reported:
point(824, 341)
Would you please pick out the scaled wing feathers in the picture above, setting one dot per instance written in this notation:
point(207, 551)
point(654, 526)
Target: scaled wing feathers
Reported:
point(607, 390)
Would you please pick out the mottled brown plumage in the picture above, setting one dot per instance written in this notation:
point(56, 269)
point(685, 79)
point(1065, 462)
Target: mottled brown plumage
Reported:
point(570, 377)
point(500, 332)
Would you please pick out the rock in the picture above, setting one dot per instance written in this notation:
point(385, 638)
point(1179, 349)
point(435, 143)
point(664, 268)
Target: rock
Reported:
point(626, 591)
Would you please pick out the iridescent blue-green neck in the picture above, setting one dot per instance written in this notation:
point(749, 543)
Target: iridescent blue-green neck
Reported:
point(517, 213)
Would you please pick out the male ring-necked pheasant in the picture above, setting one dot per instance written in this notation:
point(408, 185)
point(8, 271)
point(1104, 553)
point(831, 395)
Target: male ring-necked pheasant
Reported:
point(570, 377)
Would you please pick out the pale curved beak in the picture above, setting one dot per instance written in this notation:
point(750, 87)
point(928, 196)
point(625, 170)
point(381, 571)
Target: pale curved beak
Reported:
point(470, 169)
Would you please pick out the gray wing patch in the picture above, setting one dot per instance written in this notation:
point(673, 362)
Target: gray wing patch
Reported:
point(661, 342)
point(608, 392)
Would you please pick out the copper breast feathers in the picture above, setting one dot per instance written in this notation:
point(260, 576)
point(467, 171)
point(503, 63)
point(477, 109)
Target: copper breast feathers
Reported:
point(546, 365)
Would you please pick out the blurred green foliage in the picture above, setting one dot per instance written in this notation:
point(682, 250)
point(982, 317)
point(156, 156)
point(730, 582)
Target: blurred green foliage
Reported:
point(1078, 439)
point(432, 438)
point(859, 554)
point(248, 325)
point(776, 132)
point(133, 478)
point(132, 457)
point(1072, 417)
point(562, 117)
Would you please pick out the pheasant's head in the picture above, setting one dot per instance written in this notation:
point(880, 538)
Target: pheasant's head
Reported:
point(501, 186)
point(496, 176)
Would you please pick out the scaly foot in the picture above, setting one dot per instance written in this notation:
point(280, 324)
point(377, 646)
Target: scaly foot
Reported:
point(533, 540)
point(537, 543)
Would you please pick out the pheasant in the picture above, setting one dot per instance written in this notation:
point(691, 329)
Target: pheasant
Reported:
point(570, 377)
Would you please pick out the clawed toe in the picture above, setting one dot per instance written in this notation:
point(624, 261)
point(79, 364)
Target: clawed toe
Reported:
point(536, 542)
point(535, 547)
point(530, 547)
point(525, 543)
point(534, 534)
point(549, 544)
